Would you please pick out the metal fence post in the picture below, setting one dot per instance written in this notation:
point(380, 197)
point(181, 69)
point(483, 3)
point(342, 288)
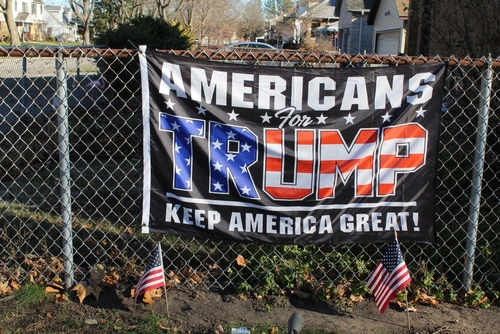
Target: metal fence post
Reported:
point(477, 174)
point(23, 83)
point(61, 101)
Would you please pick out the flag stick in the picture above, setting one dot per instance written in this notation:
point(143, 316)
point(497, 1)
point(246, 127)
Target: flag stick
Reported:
point(406, 293)
point(407, 310)
point(164, 285)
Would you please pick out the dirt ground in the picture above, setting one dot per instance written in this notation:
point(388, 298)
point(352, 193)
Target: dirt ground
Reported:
point(192, 311)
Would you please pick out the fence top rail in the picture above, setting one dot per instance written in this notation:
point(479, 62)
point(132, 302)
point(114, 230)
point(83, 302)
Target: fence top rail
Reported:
point(252, 55)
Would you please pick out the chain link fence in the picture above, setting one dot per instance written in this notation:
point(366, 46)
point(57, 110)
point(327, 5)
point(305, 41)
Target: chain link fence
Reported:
point(101, 194)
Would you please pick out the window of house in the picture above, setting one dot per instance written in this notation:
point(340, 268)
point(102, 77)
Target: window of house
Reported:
point(25, 7)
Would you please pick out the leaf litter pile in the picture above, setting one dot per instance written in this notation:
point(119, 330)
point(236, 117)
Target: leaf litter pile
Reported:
point(103, 302)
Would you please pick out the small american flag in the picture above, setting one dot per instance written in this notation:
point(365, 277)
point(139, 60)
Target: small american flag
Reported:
point(389, 277)
point(154, 276)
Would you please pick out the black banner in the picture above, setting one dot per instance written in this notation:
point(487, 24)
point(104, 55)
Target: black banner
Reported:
point(289, 155)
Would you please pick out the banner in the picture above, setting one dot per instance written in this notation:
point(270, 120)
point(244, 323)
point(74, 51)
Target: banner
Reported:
point(289, 155)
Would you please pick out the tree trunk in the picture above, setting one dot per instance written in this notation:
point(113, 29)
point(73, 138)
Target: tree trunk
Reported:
point(11, 24)
point(86, 35)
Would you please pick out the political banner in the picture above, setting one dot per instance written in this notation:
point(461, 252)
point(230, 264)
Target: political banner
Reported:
point(289, 155)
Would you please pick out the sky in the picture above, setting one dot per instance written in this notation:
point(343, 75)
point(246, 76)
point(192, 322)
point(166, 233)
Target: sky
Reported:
point(56, 3)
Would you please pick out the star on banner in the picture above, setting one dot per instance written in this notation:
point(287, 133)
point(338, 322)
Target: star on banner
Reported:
point(233, 115)
point(217, 186)
point(386, 117)
point(246, 147)
point(175, 126)
point(201, 110)
point(420, 112)
point(349, 119)
point(170, 104)
point(217, 166)
point(217, 144)
point(245, 190)
point(321, 119)
point(266, 118)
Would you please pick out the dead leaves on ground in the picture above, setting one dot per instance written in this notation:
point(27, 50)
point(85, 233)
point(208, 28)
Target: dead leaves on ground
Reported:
point(149, 296)
point(99, 277)
point(83, 290)
point(9, 286)
point(41, 268)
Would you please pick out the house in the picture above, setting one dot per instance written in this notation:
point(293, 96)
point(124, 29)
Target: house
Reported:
point(355, 35)
point(389, 19)
point(28, 15)
point(319, 22)
point(60, 22)
point(308, 24)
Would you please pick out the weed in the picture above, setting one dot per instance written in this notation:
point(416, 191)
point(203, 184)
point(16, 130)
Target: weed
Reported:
point(29, 294)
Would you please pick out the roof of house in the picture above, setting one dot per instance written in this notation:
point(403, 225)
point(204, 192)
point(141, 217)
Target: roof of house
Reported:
point(401, 5)
point(354, 5)
point(323, 9)
point(23, 17)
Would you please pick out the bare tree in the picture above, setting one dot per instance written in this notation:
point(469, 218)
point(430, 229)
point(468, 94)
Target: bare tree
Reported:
point(210, 21)
point(167, 8)
point(464, 27)
point(252, 20)
point(7, 7)
point(277, 7)
point(83, 9)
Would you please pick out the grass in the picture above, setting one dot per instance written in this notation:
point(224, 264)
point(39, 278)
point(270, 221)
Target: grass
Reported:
point(29, 294)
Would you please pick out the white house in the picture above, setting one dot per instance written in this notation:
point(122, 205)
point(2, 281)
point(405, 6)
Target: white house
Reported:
point(355, 35)
point(28, 15)
point(60, 22)
point(389, 20)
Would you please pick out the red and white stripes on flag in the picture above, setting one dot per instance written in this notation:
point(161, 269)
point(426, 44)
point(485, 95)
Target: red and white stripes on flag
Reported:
point(389, 277)
point(154, 275)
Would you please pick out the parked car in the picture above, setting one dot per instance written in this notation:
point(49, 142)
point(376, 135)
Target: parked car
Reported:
point(248, 46)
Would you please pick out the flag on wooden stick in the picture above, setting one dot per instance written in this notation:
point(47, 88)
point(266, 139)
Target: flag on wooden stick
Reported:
point(389, 277)
point(154, 275)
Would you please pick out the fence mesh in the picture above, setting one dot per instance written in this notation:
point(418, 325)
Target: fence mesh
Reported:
point(105, 137)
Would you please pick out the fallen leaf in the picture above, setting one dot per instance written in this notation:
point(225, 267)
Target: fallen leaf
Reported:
point(147, 298)
point(94, 290)
point(81, 291)
point(426, 299)
point(356, 298)
point(240, 260)
point(56, 286)
point(4, 288)
point(341, 290)
point(50, 289)
point(14, 285)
